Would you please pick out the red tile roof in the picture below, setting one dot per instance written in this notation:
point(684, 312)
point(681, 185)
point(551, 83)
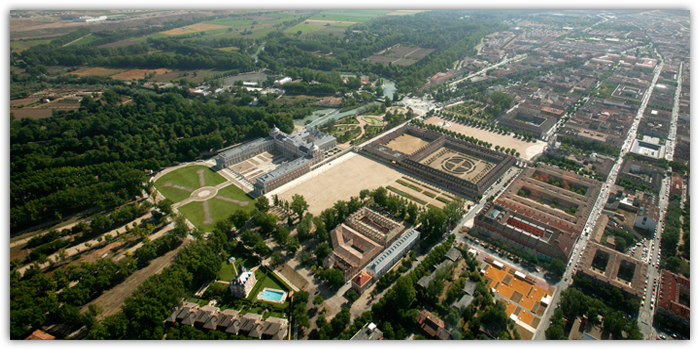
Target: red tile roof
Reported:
point(40, 335)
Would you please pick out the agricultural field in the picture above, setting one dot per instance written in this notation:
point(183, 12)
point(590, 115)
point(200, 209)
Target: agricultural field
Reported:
point(97, 71)
point(194, 28)
point(321, 27)
point(135, 74)
point(349, 15)
point(32, 113)
point(21, 45)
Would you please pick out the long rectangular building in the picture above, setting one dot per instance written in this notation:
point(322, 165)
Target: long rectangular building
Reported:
point(304, 149)
point(543, 212)
point(382, 263)
point(673, 298)
point(453, 163)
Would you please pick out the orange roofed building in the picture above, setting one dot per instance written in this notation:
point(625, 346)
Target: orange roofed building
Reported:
point(40, 335)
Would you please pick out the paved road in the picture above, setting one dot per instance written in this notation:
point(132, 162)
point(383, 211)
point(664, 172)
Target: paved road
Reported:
point(496, 65)
point(598, 208)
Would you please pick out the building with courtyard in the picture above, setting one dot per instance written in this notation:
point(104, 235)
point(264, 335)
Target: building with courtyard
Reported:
point(530, 119)
point(607, 266)
point(641, 174)
point(358, 240)
point(673, 299)
point(455, 164)
point(543, 211)
point(650, 148)
point(302, 149)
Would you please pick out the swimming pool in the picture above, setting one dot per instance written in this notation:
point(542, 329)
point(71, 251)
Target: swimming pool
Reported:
point(272, 295)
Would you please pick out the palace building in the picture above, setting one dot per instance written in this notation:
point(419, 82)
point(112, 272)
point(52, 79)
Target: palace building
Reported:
point(304, 149)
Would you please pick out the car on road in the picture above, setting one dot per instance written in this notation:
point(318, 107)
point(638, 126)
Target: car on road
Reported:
point(662, 336)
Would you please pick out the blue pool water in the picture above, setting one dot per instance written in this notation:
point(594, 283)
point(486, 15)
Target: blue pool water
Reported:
point(272, 295)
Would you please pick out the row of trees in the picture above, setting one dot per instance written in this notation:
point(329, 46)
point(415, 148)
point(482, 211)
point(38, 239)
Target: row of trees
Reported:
point(38, 298)
point(470, 139)
point(143, 312)
point(576, 304)
point(673, 228)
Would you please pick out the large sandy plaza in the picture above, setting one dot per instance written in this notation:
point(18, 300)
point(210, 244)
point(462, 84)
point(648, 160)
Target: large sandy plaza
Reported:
point(407, 143)
point(527, 149)
point(323, 188)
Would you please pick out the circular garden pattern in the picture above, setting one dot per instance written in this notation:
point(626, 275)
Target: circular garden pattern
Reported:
point(457, 165)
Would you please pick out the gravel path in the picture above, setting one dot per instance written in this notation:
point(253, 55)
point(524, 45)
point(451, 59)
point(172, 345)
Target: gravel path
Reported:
point(200, 172)
point(207, 216)
point(241, 203)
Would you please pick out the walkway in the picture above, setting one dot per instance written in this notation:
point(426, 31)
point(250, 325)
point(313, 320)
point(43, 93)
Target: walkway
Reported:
point(85, 246)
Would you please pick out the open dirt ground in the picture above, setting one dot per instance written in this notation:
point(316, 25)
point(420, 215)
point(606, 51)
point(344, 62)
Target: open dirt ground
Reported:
point(112, 300)
point(340, 182)
point(135, 74)
point(407, 143)
point(527, 149)
point(99, 71)
point(194, 28)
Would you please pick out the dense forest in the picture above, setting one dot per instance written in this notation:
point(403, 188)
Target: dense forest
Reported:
point(447, 32)
point(96, 156)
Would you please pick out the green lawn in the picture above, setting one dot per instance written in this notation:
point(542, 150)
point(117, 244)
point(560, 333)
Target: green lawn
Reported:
point(267, 280)
point(234, 192)
point(194, 211)
point(372, 120)
point(305, 28)
point(174, 194)
point(23, 45)
point(218, 209)
point(84, 40)
point(188, 177)
point(226, 272)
